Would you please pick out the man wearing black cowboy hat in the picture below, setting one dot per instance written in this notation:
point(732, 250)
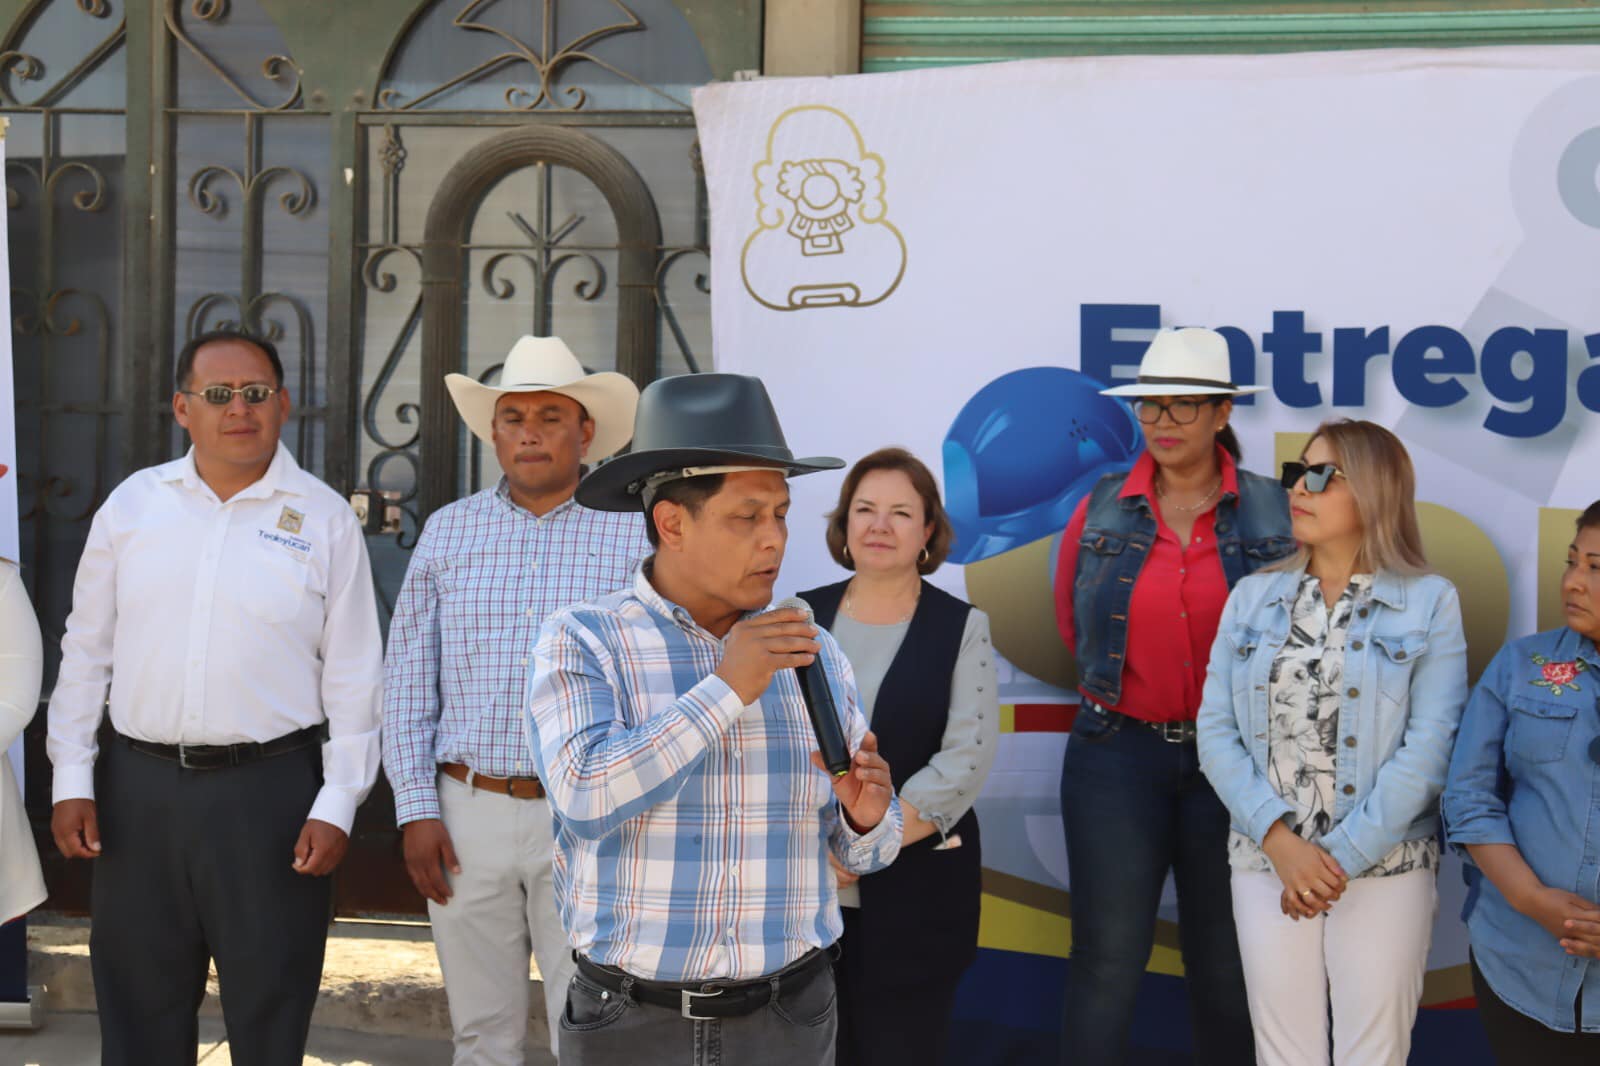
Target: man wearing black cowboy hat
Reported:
point(694, 820)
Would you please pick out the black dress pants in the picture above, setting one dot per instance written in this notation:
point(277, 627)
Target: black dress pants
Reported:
point(195, 866)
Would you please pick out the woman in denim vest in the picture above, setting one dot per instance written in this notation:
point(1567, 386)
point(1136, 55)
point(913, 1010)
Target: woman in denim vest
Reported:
point(1145, 566)
point(1334, 692)
point(1520, 803)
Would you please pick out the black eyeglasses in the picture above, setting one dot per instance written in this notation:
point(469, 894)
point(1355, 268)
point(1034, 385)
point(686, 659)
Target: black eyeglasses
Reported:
point(1317, 475)
point(222, 395)
point(1182, 412)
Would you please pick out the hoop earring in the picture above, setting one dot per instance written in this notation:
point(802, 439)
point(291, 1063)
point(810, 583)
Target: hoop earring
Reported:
point(924, 557)
point(847, 553)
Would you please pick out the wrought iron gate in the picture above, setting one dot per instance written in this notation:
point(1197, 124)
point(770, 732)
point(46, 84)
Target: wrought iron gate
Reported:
point(390, 190)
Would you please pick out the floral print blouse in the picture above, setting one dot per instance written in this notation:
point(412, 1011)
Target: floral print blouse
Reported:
point(1303, 729)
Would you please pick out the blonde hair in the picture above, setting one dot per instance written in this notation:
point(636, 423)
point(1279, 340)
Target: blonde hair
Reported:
point(1379, 473)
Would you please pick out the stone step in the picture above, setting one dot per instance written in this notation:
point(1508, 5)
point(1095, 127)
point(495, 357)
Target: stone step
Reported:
point(378, 977)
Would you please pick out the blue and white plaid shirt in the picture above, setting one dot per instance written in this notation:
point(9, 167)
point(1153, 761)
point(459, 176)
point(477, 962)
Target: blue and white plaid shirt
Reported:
point(692, 832)
point(483, 578)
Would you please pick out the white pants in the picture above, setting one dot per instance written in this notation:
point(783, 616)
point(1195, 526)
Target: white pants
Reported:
point(503, 907)
point(1367, 957)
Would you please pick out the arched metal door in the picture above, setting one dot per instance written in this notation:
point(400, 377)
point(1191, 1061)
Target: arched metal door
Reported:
point(444, 273)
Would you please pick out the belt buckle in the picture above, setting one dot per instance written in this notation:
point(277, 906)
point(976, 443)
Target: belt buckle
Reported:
point(183, 758)
point(689, 996)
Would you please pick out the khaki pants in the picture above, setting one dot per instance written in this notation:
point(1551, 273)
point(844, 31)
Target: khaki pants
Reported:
point(503, 908)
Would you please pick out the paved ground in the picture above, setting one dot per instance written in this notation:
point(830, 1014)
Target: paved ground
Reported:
point(74, 1040)
point(382, 1002)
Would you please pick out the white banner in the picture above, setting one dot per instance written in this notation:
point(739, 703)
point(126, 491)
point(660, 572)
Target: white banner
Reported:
point(9, 545)
point(954, 259)
point(8, 430)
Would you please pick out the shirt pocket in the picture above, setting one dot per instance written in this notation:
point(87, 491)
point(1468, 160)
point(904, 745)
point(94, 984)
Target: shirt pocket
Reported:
point(1097, 549)
point(273, 587)
point(1538, 730)
point(1396, 656)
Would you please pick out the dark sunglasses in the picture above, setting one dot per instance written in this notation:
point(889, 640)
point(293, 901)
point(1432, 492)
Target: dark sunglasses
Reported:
point(222, 395)
point(1317, 475)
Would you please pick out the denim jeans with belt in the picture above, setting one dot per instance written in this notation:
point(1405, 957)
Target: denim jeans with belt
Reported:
point(1136, 806)
point(796, 1028)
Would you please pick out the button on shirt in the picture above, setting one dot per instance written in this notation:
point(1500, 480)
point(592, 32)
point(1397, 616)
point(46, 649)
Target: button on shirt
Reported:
point(484, 576)
point(1524, 772)
point(693, 832)
point(1177, 600)
point(220, 622)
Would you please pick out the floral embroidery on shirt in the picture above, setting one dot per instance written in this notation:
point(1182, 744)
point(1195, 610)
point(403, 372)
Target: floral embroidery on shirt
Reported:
point(1559, 677)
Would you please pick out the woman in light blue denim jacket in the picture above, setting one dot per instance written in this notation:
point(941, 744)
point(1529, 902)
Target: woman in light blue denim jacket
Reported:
point(1334, 692)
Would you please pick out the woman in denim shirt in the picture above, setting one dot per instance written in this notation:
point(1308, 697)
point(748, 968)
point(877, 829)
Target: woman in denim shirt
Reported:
point(1334, 692)
point(1145, 567)
point(1521, 804)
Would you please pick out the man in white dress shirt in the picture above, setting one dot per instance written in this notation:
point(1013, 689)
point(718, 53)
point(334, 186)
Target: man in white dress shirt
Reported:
point(226, 600)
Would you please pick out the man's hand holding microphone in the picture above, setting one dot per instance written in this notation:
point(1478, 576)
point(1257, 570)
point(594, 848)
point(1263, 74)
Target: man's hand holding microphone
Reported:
point(785, 638)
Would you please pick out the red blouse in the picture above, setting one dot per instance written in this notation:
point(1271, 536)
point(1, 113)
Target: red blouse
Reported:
point(1177, 602)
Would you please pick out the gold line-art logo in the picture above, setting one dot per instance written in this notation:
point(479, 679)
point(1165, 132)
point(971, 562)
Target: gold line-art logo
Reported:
point(823, 237)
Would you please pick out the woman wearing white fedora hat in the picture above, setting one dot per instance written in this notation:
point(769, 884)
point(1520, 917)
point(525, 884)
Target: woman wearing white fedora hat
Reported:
point(485, 574)
point(1145, 566)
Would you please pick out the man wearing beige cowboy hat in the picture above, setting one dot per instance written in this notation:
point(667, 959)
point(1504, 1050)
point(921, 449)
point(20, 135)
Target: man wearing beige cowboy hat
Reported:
point(486, 572)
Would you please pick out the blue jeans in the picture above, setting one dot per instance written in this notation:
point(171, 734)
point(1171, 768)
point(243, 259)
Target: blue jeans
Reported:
point(1136, 806)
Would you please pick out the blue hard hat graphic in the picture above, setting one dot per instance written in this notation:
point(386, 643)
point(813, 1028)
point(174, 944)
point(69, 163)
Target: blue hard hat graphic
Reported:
point(1022, 453)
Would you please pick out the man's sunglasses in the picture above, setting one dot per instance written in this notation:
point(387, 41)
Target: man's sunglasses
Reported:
point(222, 395)
point(1317, 475)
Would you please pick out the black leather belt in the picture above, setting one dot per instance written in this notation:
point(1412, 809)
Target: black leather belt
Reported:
point(704, 1001)
point(222, 756)
point(1172, 732)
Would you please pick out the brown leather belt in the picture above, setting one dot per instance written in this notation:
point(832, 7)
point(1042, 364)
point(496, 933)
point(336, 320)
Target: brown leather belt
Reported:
point(522, 788)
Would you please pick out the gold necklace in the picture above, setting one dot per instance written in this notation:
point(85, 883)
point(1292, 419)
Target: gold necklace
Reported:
point(1179, 507)
point(846, 608)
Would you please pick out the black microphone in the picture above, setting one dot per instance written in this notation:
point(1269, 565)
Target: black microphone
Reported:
point(819, 702)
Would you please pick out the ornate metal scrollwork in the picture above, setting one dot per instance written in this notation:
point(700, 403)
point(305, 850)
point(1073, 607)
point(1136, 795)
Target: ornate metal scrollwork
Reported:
point(281, 70)
point(544, 261)
point(27, 67)
point(701, 282)
point(545, 61)
point(51, 315)
point(297, 200)
point(406, 412)
point(91, 199)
